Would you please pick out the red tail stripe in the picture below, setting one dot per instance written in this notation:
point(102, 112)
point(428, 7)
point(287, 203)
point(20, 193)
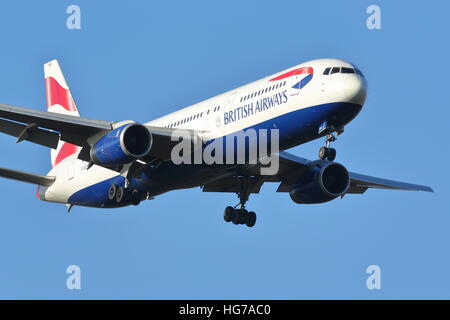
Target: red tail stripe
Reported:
point(58, 95)
point(66, 150)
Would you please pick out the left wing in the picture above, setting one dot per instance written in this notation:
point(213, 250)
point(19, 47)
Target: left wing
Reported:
point(292, 167)
point(359, 183)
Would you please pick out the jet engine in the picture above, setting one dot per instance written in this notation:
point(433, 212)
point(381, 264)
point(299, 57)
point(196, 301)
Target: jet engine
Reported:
point(322, 182)
point(122, 145)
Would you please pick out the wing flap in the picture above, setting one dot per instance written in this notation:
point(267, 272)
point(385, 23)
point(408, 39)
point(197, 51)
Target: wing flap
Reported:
point(234, 184)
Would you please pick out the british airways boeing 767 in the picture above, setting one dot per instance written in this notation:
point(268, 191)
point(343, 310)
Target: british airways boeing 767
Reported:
point(107, 164)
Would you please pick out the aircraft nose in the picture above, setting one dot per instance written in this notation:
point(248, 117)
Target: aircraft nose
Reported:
point(355, 88)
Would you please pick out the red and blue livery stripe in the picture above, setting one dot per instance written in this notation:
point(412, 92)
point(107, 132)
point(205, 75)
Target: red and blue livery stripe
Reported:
point(309, 71)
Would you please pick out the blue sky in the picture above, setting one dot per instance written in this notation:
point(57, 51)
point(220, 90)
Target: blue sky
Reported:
point(139, 60)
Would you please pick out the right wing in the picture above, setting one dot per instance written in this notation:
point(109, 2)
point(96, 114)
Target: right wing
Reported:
point(46, 128)
point(71, 129)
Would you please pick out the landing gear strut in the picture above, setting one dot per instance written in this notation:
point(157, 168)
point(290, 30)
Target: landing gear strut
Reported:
point(327, 152)
point(238, 214)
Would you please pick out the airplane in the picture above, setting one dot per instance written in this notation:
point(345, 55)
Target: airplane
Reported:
point(104, 164)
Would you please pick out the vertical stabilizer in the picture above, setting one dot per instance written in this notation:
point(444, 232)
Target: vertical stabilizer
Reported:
point(59, 100)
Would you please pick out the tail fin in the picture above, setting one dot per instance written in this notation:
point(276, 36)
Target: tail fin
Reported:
point(59, 100)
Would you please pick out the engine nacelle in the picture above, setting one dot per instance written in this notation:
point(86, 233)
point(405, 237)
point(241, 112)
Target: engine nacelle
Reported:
point(122, 145)
point(323, 182)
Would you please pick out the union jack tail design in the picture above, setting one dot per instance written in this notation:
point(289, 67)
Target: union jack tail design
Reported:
point(59, 100)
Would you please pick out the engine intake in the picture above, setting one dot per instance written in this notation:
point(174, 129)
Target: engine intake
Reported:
point(122, 145)
point(323, 182)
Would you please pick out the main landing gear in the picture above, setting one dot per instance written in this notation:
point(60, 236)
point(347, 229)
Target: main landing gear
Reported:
point(327, 152)
point(121, 194)
point(240, 215)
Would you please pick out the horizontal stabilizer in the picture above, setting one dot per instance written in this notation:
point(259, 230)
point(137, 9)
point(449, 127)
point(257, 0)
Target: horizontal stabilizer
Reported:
point(27, 177)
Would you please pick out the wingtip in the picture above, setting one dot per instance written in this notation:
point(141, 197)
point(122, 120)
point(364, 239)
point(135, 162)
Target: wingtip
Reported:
point(425, 188)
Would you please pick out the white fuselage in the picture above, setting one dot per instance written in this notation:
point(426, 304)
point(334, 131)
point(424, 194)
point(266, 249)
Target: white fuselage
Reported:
point(258, 102)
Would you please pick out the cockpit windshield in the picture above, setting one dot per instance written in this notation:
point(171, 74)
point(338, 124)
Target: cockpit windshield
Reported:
point(333, 70)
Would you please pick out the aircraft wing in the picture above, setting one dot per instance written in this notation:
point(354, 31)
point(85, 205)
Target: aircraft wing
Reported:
point(292, 167)
point(46, 128)
point(37, 124)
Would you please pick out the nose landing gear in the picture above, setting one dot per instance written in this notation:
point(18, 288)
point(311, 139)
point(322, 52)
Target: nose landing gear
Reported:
point(327, 152)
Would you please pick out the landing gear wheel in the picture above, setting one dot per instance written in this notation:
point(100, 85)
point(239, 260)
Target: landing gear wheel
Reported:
point(112, 192)
point(242, 215)
point(228, 214)
point(135, 198)
point(239, 216)
point(120, 194)
point(235, 217)
point(331, 154)
point(251, 219)
point(323, 153)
